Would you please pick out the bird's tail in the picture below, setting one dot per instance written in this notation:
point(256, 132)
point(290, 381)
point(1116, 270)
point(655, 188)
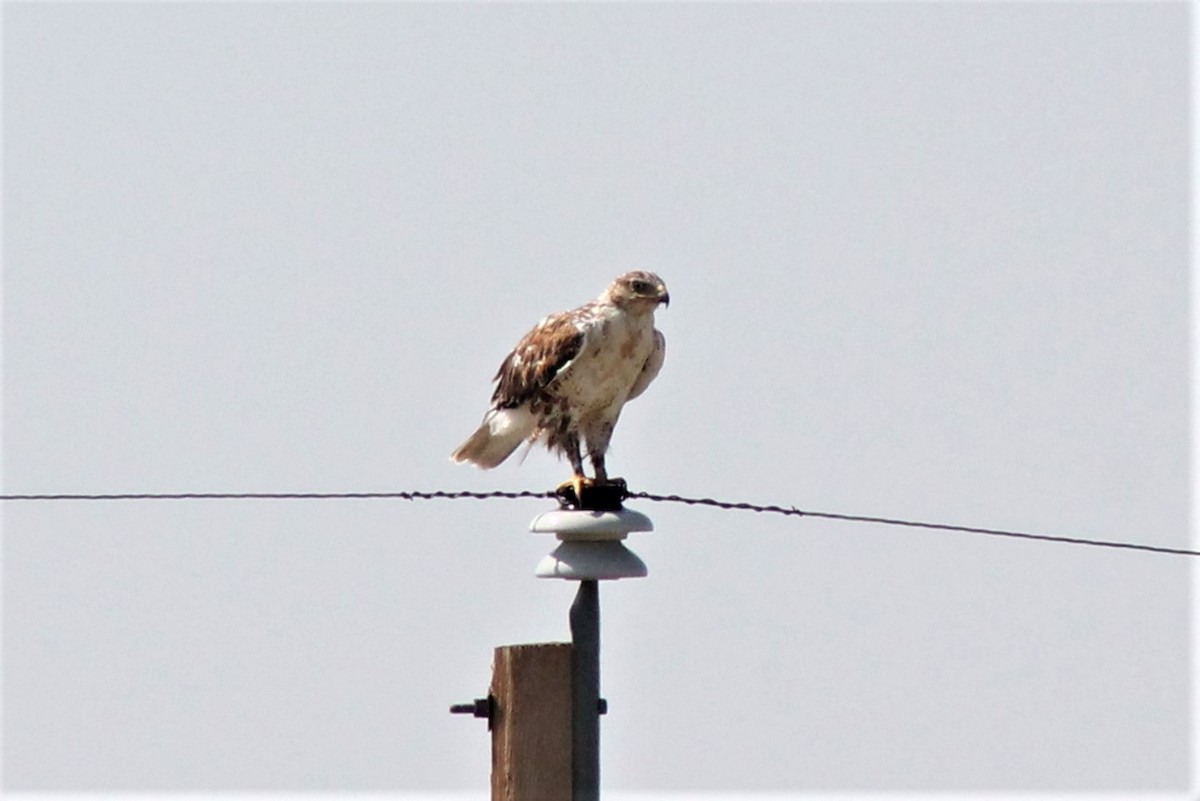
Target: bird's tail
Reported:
point(495, 440)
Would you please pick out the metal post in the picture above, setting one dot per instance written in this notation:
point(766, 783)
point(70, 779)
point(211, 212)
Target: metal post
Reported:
point(589, 550)
point(526, 711)
point(585, 680)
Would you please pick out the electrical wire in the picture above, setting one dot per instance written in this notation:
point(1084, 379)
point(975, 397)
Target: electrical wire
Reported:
point(419, 495)
point(414, 495)
point(892, 521)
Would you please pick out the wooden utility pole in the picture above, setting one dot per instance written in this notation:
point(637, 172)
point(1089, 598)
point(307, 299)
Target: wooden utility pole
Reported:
point(531, 722)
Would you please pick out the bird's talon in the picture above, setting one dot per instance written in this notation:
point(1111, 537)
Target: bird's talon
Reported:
point(576, 483)
point(571, 491)
point(586, 494)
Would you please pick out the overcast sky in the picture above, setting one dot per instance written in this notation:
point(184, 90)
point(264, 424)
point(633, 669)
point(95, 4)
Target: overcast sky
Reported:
point(925, 261)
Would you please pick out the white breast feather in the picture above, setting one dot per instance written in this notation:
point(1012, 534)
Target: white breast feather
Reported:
point(599, 380)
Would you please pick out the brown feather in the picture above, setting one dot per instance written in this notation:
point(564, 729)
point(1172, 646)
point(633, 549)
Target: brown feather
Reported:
point(536, 360)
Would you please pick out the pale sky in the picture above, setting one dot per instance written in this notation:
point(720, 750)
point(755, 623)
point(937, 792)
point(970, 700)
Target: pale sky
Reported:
point(925, 261)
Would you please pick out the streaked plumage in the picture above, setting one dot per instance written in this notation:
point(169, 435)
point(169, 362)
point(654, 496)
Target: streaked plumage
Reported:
point(565, 382)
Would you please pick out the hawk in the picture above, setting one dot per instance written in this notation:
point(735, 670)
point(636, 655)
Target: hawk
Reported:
point(565, 382)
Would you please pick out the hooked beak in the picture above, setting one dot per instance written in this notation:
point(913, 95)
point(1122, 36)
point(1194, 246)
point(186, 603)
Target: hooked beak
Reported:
point(664, 297)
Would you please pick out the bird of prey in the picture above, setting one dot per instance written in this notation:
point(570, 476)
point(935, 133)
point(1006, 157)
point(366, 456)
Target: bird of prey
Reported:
point(565, 382)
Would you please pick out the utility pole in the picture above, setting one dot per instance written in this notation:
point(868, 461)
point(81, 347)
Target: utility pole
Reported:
point(531, 737)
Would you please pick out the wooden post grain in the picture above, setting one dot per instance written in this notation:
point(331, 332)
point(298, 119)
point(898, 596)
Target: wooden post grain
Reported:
point(531, 722)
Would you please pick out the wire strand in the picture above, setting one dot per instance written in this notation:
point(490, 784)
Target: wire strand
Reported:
point(419, 495)
point(411, 495)
point(892, 521)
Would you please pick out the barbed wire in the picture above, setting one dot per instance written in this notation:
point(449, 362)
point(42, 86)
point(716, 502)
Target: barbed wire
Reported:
point(406, 495)
point(892, 521)
point(420, 495)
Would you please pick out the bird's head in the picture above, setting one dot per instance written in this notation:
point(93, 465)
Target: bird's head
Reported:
point(638, 291)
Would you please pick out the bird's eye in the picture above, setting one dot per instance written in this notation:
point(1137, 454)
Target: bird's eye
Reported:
point(641, 287)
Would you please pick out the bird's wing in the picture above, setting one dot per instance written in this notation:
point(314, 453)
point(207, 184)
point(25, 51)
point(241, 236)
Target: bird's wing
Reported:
point(538, 358)
point(650, 369)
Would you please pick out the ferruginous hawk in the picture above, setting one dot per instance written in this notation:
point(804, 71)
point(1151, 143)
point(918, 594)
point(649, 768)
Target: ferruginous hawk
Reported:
point(565, 382)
